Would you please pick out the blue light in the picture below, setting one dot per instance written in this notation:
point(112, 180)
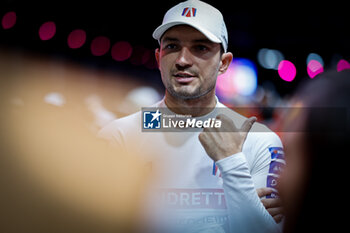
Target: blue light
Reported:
point(239, 79)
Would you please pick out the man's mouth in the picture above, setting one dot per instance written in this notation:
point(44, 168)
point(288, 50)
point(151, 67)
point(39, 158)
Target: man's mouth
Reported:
point(184, 77)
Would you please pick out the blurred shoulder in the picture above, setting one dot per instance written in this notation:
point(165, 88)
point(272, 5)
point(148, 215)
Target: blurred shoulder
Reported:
point(121, 126)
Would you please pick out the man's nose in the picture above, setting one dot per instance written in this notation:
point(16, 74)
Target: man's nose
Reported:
point(184, 59)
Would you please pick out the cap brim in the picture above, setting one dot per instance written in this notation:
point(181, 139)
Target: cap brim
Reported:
point(158, 33)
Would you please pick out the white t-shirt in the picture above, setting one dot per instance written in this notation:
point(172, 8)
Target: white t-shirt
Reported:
point(200, 195)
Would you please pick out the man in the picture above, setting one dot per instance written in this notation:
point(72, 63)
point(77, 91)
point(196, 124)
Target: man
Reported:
point(207, 177)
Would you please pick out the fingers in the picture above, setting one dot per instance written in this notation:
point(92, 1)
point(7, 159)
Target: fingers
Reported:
point(278, 218)
point(263, 192)
point(275, 211)
point(203, 138)
point(274, 207)
point(271, 202)
point(227, 124)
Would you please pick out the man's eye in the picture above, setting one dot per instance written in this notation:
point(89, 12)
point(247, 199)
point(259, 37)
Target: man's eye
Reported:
point(202, 48)
point(171, 46)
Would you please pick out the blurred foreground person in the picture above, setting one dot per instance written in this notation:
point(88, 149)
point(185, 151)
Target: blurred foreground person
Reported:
point(312, 186)
point(56, 176)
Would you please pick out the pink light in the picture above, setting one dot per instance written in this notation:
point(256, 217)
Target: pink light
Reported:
point(343, 65)
point(314, 68)
point(100, 46)
point(47, 30)
point(225, 83)
point(239, 79)
point(121, 51)
point(9, 20)
point(287, 70)
point(76, 38)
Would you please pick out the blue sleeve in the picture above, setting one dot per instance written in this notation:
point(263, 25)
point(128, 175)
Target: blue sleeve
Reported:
point(266, 157)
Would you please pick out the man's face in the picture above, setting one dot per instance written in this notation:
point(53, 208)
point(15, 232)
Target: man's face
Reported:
point(189, 63)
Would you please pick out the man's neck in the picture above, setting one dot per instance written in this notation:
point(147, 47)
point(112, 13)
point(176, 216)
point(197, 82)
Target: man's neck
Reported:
point(194, 107)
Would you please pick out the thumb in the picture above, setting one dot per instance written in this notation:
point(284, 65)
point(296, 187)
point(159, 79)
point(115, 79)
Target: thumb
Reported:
point(247, 125)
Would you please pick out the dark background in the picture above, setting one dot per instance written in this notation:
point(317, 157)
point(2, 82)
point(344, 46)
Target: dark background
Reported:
point(295, 29)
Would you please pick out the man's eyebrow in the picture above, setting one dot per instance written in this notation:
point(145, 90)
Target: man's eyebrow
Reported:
point(202, 40)
point(169, 39)
point(207, 41)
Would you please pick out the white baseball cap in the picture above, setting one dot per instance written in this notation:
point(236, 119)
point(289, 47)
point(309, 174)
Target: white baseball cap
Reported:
point(200, 15)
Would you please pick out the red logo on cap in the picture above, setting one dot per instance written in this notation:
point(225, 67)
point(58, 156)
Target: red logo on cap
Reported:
point(189, 12)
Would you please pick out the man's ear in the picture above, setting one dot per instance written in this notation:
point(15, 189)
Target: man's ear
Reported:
point(157, 53)
point(226, 59)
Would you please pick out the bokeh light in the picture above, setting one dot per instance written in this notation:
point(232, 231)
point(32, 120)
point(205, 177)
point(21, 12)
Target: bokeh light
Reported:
point(100, 45)
point(269, 58)
point(343, 65)
point(121, 51)
point(287, 70)
point(47, 30)
point(9, 20)
point(314, 56)
point(76, 38)
point(314, 68)
point(55, 99)
point(239, 79)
